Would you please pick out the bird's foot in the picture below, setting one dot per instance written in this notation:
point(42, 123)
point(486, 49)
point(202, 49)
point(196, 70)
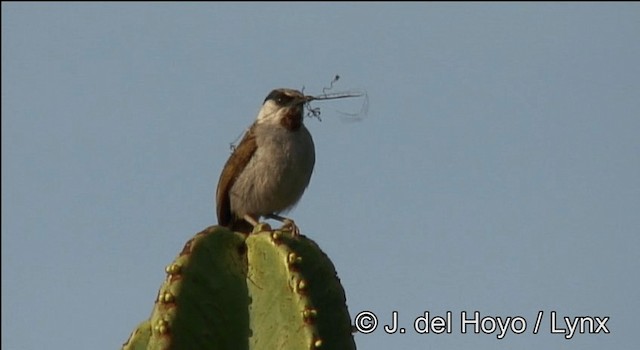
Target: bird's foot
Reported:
point(287, 224)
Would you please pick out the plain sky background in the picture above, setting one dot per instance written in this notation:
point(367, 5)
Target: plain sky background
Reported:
point(497, 169)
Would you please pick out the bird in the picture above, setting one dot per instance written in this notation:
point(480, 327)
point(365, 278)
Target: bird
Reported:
point(270, 169)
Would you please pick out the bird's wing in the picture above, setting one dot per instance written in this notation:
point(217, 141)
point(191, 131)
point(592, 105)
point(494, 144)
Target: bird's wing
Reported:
point(234, 166)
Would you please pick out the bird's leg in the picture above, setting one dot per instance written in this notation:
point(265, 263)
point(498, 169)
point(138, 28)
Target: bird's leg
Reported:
point(255, 223)
point(250, 219)
point(288, 224)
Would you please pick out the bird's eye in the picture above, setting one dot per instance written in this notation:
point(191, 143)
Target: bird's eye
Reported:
point(283, 99)
point(279, 97)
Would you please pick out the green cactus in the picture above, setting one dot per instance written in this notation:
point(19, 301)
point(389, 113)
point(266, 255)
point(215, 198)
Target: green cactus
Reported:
point(139, 338)
point(267, 290)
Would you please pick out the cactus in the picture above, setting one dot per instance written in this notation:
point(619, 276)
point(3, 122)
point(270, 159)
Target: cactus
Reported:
point(267, 290)
point(139, 338)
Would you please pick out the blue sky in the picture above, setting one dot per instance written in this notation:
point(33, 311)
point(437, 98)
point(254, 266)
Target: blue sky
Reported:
point(497, 168)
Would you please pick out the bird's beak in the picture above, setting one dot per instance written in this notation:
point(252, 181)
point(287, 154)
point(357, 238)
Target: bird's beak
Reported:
point(306, 99)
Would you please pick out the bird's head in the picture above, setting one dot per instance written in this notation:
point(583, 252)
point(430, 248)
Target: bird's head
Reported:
point(283, 107)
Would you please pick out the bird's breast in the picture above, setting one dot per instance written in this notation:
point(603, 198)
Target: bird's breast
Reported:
point(278, 173)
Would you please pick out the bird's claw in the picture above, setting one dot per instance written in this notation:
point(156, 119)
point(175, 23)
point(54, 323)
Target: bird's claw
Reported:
point(289, 225)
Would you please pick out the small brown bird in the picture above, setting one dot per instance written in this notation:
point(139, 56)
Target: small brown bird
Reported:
point(270, 169)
